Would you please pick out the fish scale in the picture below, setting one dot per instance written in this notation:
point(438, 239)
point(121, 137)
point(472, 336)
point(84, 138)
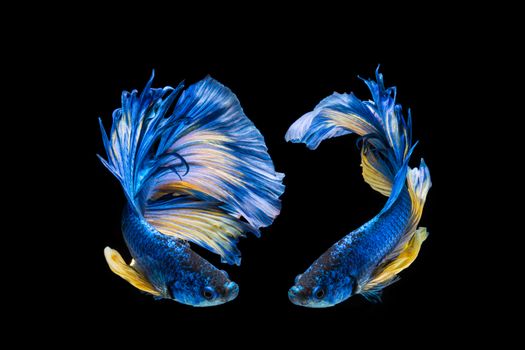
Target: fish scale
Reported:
point(370, 244)
point(150, 249)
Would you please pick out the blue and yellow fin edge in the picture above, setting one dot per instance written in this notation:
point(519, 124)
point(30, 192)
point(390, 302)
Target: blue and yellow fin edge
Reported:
point(387, 273)
point(407, 250)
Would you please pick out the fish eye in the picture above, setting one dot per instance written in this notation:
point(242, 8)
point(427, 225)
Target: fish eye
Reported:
point(207, 293)
point(319, 292)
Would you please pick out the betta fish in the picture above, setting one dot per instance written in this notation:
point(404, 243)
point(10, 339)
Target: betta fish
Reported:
point(369, 258)
point(193, 169)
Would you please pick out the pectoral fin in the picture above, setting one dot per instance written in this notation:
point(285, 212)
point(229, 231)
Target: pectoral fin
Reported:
point(127, 272)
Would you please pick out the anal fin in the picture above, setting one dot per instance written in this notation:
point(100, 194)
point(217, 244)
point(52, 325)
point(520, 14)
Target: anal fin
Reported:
point(127, 272)
point(387, 271)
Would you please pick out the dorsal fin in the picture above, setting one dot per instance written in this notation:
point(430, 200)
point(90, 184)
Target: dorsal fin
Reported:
point(385, 136)
point(201, 173)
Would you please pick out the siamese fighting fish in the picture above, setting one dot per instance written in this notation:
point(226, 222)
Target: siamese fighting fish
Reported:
point(369, 258)
point(193, 169)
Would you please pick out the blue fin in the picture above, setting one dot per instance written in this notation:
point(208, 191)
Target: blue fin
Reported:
point(373, 296)
point(399, 181)
point(137, 125)
point(206, 150)
point(380, 123)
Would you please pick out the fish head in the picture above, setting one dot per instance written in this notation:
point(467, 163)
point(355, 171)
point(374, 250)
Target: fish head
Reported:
point(322, 285)
point(201, 284)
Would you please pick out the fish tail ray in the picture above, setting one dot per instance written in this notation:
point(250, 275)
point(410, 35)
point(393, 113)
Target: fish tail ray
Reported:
point(419, 184)
point(196, 144)
point(385, 135)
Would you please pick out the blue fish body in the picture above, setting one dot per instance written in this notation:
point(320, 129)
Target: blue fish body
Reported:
point(369, 258)
point(194, 169)
point(172, 267)
point(365, 247)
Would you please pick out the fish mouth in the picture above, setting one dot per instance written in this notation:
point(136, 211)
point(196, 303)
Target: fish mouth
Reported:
point(232, 290)
point(295, 296)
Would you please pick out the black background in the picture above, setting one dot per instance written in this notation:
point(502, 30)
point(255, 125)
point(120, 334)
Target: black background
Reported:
point(277, 78)
point(325, 195)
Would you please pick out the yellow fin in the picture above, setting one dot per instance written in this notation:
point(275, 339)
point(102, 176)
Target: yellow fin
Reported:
point(177, 187)
point(372, 175)
point(419, 183)
point(127, 272)
point(206, 226)
point(386, 273)
point(351, 121)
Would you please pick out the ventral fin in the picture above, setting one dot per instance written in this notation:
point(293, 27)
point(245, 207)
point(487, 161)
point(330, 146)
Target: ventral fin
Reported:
point(128, 272)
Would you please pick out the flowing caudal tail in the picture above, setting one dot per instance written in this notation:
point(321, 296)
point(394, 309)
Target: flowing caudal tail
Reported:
point(386, 139)
point(193, 165)
point(386, 147)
